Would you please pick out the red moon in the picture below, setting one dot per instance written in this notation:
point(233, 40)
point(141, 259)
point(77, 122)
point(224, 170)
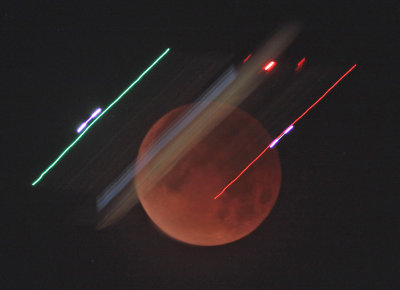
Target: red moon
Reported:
point(182, 203)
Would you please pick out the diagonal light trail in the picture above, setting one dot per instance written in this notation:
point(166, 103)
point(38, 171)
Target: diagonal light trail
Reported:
point(98, 117)
point(273, 143)
point(84, 124)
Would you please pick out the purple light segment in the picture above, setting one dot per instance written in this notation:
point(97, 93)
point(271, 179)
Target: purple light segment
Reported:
point(95, 113)
point(84, 124)
point(81, 127)
point(274, 142)
point(288, 129)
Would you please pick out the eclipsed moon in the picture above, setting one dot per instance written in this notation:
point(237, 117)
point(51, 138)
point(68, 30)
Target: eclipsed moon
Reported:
point(182, 203)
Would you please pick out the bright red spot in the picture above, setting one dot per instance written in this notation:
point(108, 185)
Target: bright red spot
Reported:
point(300, 64)
point(294, 122)
point(247, 58)
point(269, 65)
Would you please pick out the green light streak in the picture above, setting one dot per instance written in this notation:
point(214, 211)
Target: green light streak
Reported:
point(98, 117)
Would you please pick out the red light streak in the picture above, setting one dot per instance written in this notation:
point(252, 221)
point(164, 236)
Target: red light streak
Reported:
point(241, 173)
point(269, 65)
point(323, 96)
point(280, 135)
point(247, 58)
point(300, 64)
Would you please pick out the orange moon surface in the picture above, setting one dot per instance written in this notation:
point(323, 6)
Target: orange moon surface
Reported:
point(182, 203)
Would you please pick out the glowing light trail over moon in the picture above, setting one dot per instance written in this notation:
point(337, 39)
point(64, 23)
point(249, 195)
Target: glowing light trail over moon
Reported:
point(283, 133)
point(99, 116)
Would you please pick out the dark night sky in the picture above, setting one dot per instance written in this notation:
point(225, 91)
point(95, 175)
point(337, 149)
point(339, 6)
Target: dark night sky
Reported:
point(334, 224)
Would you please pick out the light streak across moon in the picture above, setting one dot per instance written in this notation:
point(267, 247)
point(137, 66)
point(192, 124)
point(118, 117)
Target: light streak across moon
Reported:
point(205, 100)
point(98, 117)
point(273, 143)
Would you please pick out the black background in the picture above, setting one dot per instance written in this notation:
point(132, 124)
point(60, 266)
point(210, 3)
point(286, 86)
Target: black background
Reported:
point(334, 224)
